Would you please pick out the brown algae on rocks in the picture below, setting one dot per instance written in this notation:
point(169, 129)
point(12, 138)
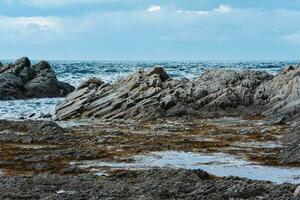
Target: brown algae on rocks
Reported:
point(118, 141)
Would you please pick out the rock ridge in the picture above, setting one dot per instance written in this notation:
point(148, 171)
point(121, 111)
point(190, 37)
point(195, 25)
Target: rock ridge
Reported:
point(148, 94)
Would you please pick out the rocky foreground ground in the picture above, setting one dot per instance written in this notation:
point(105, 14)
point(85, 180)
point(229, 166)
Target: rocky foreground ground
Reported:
point(150, 184)
point(36, 158)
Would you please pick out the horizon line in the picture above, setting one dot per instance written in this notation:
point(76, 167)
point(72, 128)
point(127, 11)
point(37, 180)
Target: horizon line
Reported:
point(158, 60)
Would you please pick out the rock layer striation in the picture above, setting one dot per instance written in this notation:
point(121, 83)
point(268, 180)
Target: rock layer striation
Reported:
point(151, 94)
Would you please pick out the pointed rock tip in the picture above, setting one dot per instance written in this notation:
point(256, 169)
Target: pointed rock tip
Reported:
point(160, 71)
point(43, 65)
point(288, 69)
point(91, 82)
point(23, 61)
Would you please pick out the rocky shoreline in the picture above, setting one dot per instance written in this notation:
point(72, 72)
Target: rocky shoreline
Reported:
point(216, 93)
point(251, 115)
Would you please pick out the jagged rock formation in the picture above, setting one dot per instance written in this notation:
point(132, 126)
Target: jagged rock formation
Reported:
point(151, 94)
point(282, 95)
point(228, 92)
point(141, 95)
point(23, 80)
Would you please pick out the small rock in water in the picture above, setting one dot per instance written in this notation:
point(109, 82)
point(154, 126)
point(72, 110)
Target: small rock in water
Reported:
point(32, 115)
point(48, 115)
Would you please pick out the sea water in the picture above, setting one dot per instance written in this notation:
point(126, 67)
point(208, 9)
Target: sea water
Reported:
point(219, 164)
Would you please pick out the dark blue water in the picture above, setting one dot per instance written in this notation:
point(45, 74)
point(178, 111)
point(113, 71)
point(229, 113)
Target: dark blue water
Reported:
point(74, 72)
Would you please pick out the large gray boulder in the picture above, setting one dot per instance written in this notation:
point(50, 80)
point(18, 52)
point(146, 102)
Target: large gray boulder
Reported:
point(153, 93)
point(23, 80)
point(11, 86)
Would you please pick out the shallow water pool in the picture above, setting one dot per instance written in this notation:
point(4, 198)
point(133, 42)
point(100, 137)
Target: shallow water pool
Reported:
point(218, 164)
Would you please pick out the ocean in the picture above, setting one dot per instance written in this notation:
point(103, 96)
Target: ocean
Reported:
point(74, 72)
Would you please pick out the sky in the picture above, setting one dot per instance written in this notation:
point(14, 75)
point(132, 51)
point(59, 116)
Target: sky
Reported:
point(150, 30)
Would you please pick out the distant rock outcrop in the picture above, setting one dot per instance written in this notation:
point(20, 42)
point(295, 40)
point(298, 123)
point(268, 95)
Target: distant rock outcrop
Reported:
point(23, 80)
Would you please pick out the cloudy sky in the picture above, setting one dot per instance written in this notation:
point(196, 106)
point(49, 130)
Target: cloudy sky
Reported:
point(150, 30)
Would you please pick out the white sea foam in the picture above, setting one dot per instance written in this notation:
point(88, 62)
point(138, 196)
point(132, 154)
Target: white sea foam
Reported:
point(19, 109)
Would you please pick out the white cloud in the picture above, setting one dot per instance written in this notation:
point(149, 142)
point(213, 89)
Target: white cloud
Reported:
point(137, 30)
point(154, 8)
point(30, 25)
point(222, 9)
point(196, 12)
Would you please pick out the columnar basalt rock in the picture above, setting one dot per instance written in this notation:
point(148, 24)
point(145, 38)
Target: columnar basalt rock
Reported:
point(23, 80)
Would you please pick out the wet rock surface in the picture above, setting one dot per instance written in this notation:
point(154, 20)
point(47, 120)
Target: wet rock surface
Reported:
point(22, 80)
point(36, 158)
point(151, 184)
point(30, 147)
